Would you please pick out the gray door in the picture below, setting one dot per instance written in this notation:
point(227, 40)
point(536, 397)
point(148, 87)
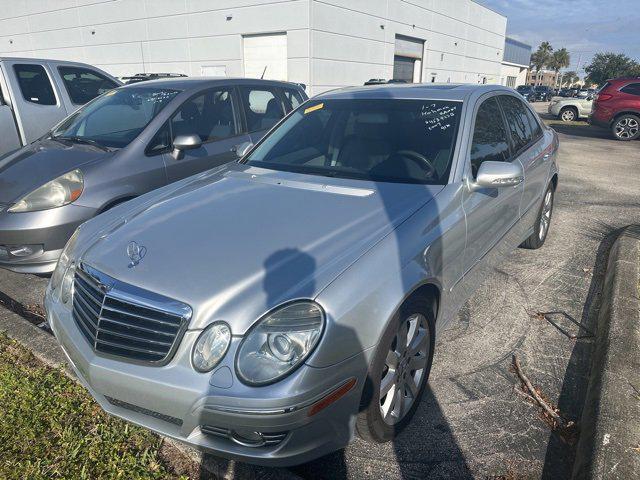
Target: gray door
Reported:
point(37, 105)
point(529, 145)
point(491, 212)
point(213, 116)
point(403, 68)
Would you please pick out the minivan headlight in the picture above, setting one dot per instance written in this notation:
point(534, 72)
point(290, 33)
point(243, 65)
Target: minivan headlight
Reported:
point(63, 190)
point(279, 343)
point(211, 347)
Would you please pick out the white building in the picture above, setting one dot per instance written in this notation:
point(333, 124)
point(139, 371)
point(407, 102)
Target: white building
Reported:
point(322, 43)
point(515, 63)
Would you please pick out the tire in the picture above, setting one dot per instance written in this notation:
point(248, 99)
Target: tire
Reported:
point(407, 386)
point(626, 127)
point(568, 114)
point(543, 222)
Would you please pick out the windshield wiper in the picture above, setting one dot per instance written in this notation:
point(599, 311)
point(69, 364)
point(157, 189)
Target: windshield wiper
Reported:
point(84, 141)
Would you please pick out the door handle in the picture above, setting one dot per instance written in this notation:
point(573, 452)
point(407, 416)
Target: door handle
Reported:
point(546, 156)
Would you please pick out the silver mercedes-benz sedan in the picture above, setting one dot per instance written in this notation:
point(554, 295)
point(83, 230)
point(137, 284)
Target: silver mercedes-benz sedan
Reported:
point(269, 309)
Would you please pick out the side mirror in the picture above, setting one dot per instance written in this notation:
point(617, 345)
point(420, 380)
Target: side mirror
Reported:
point(242, 149)
point(185, 142)
point(498, 174)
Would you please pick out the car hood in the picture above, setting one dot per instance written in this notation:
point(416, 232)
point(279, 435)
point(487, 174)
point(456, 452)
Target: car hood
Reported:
point(38, 163)
point(238, 241)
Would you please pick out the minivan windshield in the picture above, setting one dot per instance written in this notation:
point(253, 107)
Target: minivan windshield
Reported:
point(386, 140)
point(116, 118)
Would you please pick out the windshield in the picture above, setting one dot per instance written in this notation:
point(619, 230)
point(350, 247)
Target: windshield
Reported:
point(406, 141)
point(116, 118)
point(541, 88)
point(523, 88)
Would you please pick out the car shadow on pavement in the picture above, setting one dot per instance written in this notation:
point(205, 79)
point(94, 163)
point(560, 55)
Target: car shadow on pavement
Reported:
point(587, 131)
point(576, 378)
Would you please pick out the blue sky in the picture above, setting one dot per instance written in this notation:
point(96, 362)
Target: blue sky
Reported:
point(584, 27)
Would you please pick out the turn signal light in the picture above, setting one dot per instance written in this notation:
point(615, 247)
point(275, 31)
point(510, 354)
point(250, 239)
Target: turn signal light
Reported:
point(333, 397)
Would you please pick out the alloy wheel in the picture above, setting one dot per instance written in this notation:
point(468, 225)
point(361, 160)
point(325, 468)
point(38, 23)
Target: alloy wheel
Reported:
point(545, 217)
point(627, 127)
point(404, 369)
point(568, 115)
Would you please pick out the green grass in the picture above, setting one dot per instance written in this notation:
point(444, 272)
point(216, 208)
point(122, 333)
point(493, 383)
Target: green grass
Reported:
point(51, 428)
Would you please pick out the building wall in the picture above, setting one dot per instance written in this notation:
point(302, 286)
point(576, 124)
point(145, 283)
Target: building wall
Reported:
point(130, 36)
point(544, 77)
point(354, 40)
point(346, 42)
point(516, 52)
point(514, 75)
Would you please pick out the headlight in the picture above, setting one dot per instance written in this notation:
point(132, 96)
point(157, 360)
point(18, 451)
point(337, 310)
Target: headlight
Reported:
point(56, 193)
point(279, 343)
point(211, 347)
point(61, 283)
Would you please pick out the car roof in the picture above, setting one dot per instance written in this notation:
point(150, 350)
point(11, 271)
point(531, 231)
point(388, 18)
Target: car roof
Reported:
point(196, 83)
point(42, 60)
point(431, 91)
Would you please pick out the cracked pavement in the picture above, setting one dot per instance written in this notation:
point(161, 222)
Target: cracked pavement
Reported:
point(470, 423)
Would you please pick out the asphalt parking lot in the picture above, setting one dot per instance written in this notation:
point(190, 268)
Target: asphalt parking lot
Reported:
point(471, 423)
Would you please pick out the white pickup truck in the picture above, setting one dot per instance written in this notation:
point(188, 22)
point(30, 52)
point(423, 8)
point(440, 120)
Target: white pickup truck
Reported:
point(36, 94)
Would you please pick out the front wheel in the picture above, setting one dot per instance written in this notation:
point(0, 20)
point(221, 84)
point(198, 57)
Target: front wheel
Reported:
point(541, 227)
point(568, 115)
point(398, 373)
point(626, 128)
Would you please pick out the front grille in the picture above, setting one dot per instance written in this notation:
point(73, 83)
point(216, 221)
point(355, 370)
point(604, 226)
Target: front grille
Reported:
point(144, 411)
point(126, 321)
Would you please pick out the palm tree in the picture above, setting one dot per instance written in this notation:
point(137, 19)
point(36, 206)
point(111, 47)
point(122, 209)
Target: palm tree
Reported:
point(541, 57)
point(559, 59)
point(569, 78)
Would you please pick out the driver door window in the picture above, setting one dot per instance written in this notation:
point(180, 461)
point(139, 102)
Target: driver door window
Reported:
point(490, 138)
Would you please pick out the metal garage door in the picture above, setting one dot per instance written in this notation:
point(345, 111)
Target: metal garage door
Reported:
point(407, 62)
point(266, 55)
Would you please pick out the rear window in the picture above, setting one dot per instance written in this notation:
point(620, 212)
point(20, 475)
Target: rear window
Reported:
point(399, 141)
point(83, 85)
point(35, 84)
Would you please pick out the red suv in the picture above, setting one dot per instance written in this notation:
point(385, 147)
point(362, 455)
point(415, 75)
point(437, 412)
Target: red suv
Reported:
point(617, 106)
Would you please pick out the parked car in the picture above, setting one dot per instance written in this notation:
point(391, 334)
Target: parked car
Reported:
point(266, 309)
point(123, 144)
point(565, 93)
point(570, 109)
point(527, 92)
point(36, 94)
point(617, 107)
point(143, 77)
point(543, 93)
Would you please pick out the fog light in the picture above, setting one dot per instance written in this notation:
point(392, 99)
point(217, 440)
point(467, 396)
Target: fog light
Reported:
point(24, 250)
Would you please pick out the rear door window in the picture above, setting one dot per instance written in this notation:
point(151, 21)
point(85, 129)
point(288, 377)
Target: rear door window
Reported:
point(35, 84)
point(517, 121)
point(210, 115)
point(632, 89)
point(293, 98)
point(263, 109)
point(490, 137)
point(83, 85)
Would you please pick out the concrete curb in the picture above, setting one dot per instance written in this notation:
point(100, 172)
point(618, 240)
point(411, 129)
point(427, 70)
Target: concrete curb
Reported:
point(45, 348)
point(609, 445)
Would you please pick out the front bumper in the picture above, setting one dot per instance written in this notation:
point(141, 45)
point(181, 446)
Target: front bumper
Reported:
point(215, 411)
point(47, 229)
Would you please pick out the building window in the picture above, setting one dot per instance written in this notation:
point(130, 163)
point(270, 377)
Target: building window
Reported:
point(511, 81)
